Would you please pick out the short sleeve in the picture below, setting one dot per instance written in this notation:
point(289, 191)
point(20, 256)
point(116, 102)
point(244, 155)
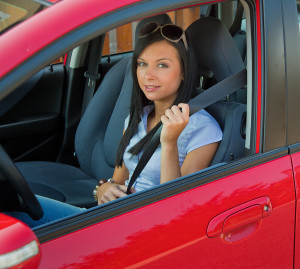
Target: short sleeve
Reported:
point(201, 130)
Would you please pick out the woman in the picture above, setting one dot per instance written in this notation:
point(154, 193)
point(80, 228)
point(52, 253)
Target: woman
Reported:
point(163, 82)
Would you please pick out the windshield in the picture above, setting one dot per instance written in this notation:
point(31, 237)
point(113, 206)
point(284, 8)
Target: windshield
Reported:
point(13, 12)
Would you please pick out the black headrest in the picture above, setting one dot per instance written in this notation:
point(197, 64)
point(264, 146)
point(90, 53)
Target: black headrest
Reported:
point(160, 19)
point(214, 47)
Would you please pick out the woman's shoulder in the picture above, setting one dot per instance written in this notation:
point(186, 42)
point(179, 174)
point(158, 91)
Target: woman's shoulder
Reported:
point(202, 118)
point(201, 130)
point(203, 122)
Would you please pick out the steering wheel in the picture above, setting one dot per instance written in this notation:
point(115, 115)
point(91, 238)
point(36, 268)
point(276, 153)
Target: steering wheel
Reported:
point(20, 185)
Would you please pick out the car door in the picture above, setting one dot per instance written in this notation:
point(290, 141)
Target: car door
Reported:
point(241, 220)
point(239, 214)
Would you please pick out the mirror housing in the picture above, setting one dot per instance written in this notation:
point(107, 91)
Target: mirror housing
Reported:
point(19, 247)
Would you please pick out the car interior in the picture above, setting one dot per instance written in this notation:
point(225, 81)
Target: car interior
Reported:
point(62, 147)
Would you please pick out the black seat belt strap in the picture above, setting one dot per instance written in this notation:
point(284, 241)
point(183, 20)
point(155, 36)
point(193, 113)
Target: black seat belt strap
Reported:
point(92, 74)
point(203, 100)
point(236, 25)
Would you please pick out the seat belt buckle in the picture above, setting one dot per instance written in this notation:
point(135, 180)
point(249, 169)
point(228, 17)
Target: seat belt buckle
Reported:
point(91, 78)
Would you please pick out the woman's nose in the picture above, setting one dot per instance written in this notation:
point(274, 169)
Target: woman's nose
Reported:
point(150, 73)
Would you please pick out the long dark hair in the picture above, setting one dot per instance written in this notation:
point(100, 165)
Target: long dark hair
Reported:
point(186, 91)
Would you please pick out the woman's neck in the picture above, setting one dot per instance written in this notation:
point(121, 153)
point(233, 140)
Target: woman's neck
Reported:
point(155, 116)
point(160, 109)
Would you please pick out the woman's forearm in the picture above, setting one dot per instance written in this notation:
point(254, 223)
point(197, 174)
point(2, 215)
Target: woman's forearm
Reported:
point(170, 168)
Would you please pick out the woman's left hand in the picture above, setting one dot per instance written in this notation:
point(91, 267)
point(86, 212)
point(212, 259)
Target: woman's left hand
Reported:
point(174, 121)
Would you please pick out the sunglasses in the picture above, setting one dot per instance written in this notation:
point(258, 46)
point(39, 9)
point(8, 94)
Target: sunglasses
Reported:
point(170, 32)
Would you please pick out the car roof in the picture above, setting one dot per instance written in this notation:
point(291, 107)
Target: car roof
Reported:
point(49, 25)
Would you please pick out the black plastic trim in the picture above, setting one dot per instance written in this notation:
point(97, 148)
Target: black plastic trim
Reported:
point(123, 205)
point(294, 148)
point(38, 125)
point(292, 56)
point(273, 84)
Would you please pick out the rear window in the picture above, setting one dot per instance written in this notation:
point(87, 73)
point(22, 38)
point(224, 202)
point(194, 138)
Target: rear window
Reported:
point(122, 39)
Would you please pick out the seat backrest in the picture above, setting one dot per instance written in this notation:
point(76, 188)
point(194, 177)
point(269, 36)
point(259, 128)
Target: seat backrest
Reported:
point(101, 127)
point(214, 47)
point(231, 117)
point(216, 51)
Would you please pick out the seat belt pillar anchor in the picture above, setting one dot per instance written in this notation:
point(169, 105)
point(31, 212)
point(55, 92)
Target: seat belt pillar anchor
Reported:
point(92, 78)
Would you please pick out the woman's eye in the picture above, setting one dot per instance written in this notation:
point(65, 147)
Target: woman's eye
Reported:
point(161, 65)
point(141, 64)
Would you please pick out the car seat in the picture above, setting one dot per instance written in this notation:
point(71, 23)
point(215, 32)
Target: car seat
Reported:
point(96, 140)
point(217, 54)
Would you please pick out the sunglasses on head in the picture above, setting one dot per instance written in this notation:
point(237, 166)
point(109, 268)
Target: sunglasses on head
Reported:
point(170, 32)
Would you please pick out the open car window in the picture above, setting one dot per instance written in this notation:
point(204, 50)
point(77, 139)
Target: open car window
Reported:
point(118, 45)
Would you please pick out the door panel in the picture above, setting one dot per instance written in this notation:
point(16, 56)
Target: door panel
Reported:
point(173, 232)
point(29, 130)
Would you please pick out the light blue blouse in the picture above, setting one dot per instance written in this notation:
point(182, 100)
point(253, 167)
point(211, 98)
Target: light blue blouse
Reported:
point(201, 130)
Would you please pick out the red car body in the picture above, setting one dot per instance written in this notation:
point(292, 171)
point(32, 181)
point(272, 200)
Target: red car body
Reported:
point(178, 235)
point(243, 214)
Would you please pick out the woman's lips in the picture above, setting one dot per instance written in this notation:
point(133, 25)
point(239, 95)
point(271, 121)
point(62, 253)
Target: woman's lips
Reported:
point(151, 88)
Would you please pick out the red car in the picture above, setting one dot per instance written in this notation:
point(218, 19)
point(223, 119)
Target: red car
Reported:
point(240, 212)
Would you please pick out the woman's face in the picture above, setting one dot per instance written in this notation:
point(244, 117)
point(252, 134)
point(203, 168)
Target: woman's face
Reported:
point(159, 72)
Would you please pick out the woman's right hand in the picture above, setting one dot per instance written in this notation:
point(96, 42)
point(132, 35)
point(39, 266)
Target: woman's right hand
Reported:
point(109, 192)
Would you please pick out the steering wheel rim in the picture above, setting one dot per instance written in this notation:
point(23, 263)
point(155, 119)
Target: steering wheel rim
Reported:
point(20, 185)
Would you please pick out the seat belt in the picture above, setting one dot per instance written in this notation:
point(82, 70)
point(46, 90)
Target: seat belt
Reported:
point(202, 100)
point(92, 74)
point(236, 25)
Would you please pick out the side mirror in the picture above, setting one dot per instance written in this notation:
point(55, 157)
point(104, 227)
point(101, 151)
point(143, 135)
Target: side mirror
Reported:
point(19, 247)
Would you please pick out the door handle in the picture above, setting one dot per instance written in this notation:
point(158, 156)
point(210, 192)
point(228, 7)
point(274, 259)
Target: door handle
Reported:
point(239, 216)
